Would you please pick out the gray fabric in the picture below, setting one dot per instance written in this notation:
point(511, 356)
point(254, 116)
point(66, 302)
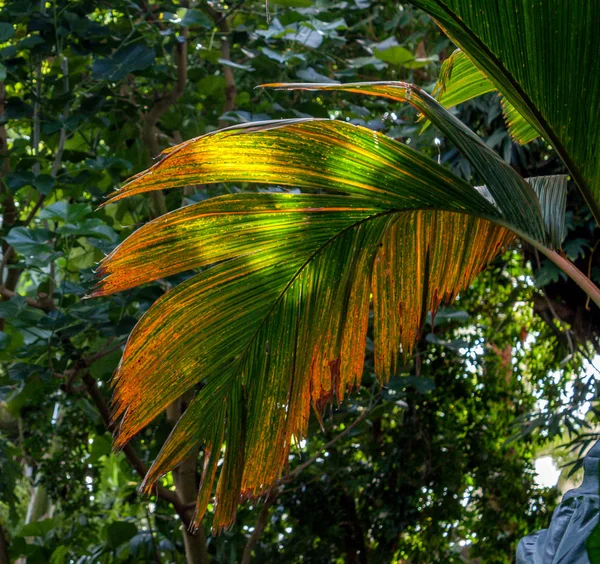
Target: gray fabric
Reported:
point(572, 523)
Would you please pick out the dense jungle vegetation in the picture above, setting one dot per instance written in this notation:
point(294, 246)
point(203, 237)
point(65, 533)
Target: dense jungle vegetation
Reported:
point(436, 465)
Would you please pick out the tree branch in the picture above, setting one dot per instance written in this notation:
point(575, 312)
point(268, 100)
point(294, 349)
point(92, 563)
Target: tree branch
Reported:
point(299, 469)
point(160, 106)
point(186, 486)
point(9, 209)
point(90, 386)
point(222, 23)
point(130, 453)
point(569, 269)
point(259, 526)
point(263, 516)
point(44, 302)
point(4, 557)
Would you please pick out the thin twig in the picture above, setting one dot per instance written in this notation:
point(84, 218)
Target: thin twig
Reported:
point(273, 494)
point(259, 526)
point(130, 453)
point(151, 529)
point(296, 472)
point(43, 303)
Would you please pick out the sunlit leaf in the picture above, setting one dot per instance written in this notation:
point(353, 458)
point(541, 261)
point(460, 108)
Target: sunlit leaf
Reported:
point(519, 128)
point(460, 80)
point(543, 57)
point(399, 235)
point(400, 56)
point(512, 195)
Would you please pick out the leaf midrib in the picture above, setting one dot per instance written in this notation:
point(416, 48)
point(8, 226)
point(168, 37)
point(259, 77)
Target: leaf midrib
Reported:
point(306, 263)
point(246, 350)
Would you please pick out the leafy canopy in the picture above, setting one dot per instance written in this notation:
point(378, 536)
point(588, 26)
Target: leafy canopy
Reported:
point(93, 78)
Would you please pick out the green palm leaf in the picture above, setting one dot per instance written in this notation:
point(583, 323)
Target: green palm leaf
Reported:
point(543, 57)
point(460, 80)
point(275, 325)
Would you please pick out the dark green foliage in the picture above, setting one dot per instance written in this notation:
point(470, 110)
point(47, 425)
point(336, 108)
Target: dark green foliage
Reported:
point(88, 74)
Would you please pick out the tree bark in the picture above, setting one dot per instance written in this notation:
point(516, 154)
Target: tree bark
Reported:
point(9, 209)
point(259, 526)
point(4, 557)
point(130, 453)
point(222, 23)
point(149, 126)
point(354, 539)
point(186, 487)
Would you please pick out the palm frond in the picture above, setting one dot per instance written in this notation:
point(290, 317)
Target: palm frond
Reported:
point(460, 80)
point(543, 57)
point(512, 195)
point(275, 325)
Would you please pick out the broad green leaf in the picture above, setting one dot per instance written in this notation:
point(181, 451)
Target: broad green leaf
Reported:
point(400, 56)
point(233, 65)
point(293, 3)
point(311, 75)
point(44, 183)
point(127, 60)
point(30, 42)
point(7, 31)
point(543, 57)
point(119, 532)
point(60, 555)
point(37, 528)
point(29, 241)
point(460, 80)
point(17, 310)
point(64, 211)
point(285, 57)
point(190, 17)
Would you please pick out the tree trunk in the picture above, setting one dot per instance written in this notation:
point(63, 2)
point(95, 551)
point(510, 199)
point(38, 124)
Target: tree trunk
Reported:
point(356, 549)
point(186, 486)
point(4, 558)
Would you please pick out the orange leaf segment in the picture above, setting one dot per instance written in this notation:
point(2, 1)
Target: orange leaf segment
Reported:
point(275, 324)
